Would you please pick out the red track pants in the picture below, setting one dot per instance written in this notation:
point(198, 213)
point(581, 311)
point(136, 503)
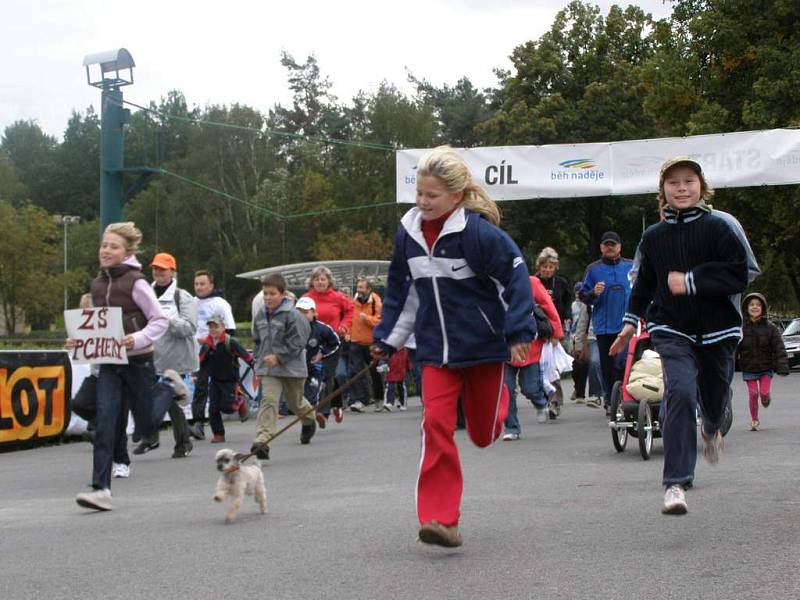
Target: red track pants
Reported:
point(485, 403)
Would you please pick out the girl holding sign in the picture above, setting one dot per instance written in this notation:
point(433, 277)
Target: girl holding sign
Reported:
point(121, 283)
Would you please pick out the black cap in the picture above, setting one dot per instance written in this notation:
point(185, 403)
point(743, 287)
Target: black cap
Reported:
point(610, 236)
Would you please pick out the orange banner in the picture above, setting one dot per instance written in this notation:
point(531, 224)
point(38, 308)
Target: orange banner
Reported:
point(35, 390)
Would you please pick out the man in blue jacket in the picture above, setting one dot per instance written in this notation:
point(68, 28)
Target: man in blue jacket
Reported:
point(606, 289)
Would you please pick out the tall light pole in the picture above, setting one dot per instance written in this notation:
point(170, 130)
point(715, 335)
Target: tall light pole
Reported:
point(66, 220)
point(109, 71)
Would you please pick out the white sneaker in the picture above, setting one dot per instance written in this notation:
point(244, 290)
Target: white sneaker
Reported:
point(712, 447)
point(357, 406)
point(541, 414)
point(120, 470)
point(510, 437)
point(403, 407)
point(96, 500)
point(388, 407)
point(675, 501)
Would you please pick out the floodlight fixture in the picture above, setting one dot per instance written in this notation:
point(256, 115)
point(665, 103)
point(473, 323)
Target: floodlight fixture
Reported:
point(108, 69)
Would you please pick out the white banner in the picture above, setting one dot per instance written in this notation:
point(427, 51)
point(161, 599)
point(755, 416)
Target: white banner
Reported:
point(750, 158)
point(97, 333)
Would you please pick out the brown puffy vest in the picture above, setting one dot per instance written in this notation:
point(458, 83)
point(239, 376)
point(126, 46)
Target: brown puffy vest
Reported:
point(114, 287)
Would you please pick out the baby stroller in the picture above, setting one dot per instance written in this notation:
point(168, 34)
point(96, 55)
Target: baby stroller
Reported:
point(640, 418)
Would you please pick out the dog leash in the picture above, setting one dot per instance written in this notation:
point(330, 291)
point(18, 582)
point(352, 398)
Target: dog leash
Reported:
point(240, 458)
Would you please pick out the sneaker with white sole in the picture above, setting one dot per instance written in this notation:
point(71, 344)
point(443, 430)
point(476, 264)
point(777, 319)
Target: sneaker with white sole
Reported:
point(712, 447)
point(403, 407)
point(388, 407)
point(593, 402)
point(541, 414)
point(511, 437)
point(675, 501)
point(120, 470)
point(178, 386)
point(96, 500)
point(357, 407)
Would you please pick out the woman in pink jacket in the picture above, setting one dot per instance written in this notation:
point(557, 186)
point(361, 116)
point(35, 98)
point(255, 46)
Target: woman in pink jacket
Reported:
point(334, 309)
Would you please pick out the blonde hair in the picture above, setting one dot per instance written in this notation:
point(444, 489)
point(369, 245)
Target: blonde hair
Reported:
point(547, 254)
point(321, 270)
point(447, 166)
point(128, 232)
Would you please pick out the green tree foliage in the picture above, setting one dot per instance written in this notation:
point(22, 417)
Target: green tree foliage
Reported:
point(31, 283)
point(33, 154)
point(11, 187)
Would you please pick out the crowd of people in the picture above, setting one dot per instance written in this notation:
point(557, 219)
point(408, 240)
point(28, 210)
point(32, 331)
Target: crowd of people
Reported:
point(461, 321)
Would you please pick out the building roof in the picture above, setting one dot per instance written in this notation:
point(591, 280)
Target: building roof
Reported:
point(344, 272)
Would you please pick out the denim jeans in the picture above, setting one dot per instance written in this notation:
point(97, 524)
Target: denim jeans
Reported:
point(163, 403)
point(596, 387)
point(694, 376)
point(530, 381)
point(115, 385)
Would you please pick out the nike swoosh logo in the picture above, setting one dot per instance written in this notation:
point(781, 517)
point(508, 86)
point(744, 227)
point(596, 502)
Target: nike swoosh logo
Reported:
point(458, 268)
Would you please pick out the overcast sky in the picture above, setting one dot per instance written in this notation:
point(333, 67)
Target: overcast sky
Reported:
point(229, 51)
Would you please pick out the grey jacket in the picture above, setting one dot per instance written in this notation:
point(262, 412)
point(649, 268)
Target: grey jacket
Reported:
point(177, 348)
point(283, 333)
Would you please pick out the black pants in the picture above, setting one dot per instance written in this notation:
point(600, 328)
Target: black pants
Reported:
point(612, 367)
point(580, 372)
point(220, 401)
point(200, 396)
point(359, 357)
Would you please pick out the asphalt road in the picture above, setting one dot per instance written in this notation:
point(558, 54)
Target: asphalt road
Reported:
point(557, 514)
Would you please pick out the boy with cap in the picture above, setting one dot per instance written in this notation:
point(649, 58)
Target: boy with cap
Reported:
point(606, 290)
point(219, 357)
point(694, 265)
point(322, 343)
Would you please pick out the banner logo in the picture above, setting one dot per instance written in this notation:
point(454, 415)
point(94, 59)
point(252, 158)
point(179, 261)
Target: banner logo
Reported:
point(578, 163)
point(577, 169)
point(34, 397)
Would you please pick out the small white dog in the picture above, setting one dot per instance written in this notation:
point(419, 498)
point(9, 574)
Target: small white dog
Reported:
point(238, 481)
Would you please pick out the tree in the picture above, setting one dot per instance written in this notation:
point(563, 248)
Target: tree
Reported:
point(33, 154)
point(11, 187)
point(579, 82)
point(30, 285)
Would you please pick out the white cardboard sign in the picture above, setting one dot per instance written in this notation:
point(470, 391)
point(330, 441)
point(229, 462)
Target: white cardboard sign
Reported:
point(98, 335)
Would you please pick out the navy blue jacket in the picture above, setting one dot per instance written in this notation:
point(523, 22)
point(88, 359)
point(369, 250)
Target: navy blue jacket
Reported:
point(608, 308)
point(466, 300)
point(709, 250)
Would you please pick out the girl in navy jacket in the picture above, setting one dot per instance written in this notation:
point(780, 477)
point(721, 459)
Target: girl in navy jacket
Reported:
point(460, 284)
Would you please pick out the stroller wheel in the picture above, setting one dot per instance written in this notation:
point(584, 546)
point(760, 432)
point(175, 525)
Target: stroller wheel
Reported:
point(644, 425)
point(619, 437)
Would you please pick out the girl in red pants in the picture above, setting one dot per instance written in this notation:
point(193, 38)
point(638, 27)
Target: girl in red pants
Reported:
point(460, 284)
point(761, 354)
